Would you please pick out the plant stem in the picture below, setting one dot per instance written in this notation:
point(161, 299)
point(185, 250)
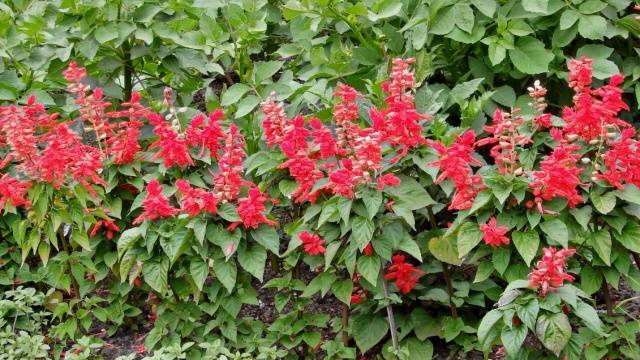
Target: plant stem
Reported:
point(345, 322)
point(446, 271)
point(275, 264)
point(128, 70)
point(636, 259)
point(607, 297)
point(390, 317)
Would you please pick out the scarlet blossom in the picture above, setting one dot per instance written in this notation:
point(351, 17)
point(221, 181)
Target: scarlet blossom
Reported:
point(358, 297)
point(368, 250)
point(13, 192)
point(342, 181)
point(109, 226)
point(275, 121)
point(156, 204)
point(559, 175)
point(405, 274)
point(323, 137)
point(306, 174)
point(388, 180)
point(172, 146)
point(622, 161)
point(549, 274)
point(594, 110)
point(228, 182)
point(455, 164)
point(123, 144)
point(506, 136)
point(312, 243)
point(399, 123)
point(195, 200)
point(251, 210)
point(493, 234)
point(206, 136)
point(345, 113)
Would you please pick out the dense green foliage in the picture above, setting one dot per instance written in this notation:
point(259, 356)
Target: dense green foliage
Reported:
point(194, 287)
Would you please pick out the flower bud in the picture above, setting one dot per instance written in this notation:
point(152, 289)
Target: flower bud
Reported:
point(594, 142)
point(572, 137)
point(585, 160)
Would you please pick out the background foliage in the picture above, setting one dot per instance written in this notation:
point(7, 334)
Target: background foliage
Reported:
point(471, 57)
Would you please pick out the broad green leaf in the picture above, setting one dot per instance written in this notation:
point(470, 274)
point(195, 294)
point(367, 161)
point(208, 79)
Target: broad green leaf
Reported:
point(174, 245)
point(592, 26)
point(568, 18)
point(590, 279)
point(529, 313)
point(372, 201)
point(601, 243)
point(487, 322)
point(462, 91)
point(410, 194)
point(342, 290)
point(592, 6)
point(445, 249)
point(556, 230)
point(602, 67)
point(469, 235)
point(419, 349)
point(369, 267)
point(268, 237)
point(233, 94)
point(464, 17)
point(487, 7)
point(246, 105)
point(513, 338)
point(321, 283)
point(155, 272)
point(265, 70)
point(368, 330)
point(527, 243)
point(106, 33)
point(485, 269)
point(501, 258)
point(630, 236)
point(252, 258)
point(604, 203)
point(444, 22)
point(362, 231)
point(127, 240)
point(226, 272)
point(590, 316)
point(582, 216)
point(554, 331)
point(630, 193)
point(530, 56)
point(536, 6)
point(199, 270)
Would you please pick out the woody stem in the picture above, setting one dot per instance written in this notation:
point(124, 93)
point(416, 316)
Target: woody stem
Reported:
point(636, 259)
point(607, 297)
point(345, 322)
point(390, 317)
point(446, 271)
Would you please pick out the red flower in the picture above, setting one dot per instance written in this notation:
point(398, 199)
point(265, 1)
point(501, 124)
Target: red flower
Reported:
point(549, 274)
point(155, 204)
point(195, 200)
point(405, 274)
point(455, 164)
point(275, 122)
point(559, 175)
point(506, 137)
point(313, 244)
point(622, 161)
point(228, 182)
point(357, 297)
point(388, 180)
point(206, 136)
point(124, 142)
point(13, 191)
point(251, 210)
point(368, 250)
point(173, 147)
point(306, 174)
point(323, 137)
point(109, 225)
point(494, 234)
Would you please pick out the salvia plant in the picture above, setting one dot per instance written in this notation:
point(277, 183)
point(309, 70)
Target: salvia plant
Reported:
point(419, 235)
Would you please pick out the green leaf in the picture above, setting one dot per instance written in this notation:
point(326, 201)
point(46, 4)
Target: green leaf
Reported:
point(590, 279)
point(342, 290)
point(629, 237)
point(590, 316)
point(527, 243)
point(462, 91)
point(485, 269)
point(536, 6)
point(233, 94)
point(487, 7)
point(252, 258)
point(362, 231)
point(155, 272)
point(556, 230)
point(386, 9)
point(630, 193)
point(444, 22)
point(368, 331)
point(602, 67)
point(488, 321)
point(601, 243)
point(265, 70)
point(464, 17)
point(127, 240)
point(530, 56)
point(604, 203)
point(469, 235)
point(410, 194)
point(568, 18)
point(554, 331)
point(529, 313)
point(592, 26)
point(592, 6)
point(372, 201)
point(247, 105)
point(582, 216)
point(268, 237)
point(176, 244)
point(226, 272)
point(106, 33)
point(321, 283)
point(369, 267)
point(513, 338)
point(501, 258)
point(419, 349)
point(199, 270)
point(445, 249)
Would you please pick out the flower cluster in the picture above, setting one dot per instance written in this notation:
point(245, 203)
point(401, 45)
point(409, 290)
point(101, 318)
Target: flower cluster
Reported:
point(156, 204)
point(494, 235)
point(347, 155)
point(358, 294)
point(405, 274)
point(312, 243)
point(196, 200)
point(251, 210)
point(506, 137)
point(109, 226)
point(455, 164)
point(549, 273)
point(13, 192)
point(622, 162)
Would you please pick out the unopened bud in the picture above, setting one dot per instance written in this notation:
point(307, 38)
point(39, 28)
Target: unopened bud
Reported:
point(594, 173)
point(594, 179)
point(518, 172)
point(585, 160)
point(594, 142)
point(596, 166)
point(572, 137)
point(611, 135)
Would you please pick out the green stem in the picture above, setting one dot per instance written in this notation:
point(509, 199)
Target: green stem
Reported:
point(390, 316)
point(446, 270)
